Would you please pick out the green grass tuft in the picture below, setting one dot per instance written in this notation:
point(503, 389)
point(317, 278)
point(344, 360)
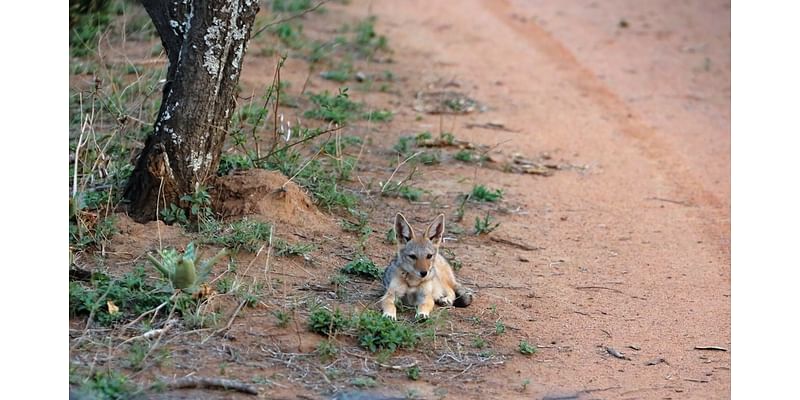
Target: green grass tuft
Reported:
point(363, 266)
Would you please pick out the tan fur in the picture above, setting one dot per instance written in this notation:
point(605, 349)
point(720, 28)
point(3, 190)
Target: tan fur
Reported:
point(418, 275)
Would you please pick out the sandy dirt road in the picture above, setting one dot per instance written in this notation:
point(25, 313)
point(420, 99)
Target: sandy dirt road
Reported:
point(635, 249)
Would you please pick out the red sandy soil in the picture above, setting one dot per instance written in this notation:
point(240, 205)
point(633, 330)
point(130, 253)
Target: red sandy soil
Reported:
point(636, 250)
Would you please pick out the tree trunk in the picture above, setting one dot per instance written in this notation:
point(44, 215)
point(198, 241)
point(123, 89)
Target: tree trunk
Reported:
point(205, 43)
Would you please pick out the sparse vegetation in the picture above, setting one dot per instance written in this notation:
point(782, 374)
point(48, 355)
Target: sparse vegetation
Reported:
point(364, 267)
point(377, 333)
point(245, 234)
point(131, 294)
point(485, 225)
point(526, 348)
point(328, 323)
point(413, 373)
point(482, 193)
point(283, 318)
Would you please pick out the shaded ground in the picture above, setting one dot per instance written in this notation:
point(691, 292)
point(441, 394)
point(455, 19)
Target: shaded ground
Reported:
point(625, 246)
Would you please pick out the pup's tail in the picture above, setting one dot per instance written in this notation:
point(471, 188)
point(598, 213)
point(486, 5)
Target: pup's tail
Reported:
point(463, 297)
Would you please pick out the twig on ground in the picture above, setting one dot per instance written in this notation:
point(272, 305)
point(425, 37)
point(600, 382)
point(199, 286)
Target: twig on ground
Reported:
point(717, 348)
point(512, 243)
point(683, 203)
point(398, 367)
point(599, 287)
point(200, 382)
point(230, 322)
point(385, 185)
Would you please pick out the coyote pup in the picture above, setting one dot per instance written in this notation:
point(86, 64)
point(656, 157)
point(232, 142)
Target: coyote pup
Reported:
point(418, 274)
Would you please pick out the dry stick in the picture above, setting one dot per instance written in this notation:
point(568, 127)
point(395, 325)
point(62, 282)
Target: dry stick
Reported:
point(509, 242)
point(266, 263)
point(462, 372)
point(235, 280)
point(599, 287)
point(153, 311)
point(161, 335)
point(385, 185)
point(149, 334)
point(303, 167)
point(78, 150)
point(230, 322)
point(710, 348)
point(314, 136)
point(199, 382)
point(158, 226)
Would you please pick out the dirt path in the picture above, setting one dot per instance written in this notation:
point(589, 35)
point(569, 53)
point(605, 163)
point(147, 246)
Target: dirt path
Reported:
point(636, 248)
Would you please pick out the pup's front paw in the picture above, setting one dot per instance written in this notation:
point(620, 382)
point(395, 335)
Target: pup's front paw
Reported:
point(444, 301)
point(422, 315)
point(390, 315)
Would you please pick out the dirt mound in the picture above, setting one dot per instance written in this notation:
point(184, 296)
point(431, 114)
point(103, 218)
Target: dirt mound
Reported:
point(266, 196)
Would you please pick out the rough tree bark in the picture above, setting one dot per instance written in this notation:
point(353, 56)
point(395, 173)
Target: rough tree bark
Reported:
point(205, 42)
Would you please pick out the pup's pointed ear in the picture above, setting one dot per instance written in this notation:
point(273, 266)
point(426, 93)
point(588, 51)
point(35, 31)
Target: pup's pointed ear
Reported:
point(435, 230)
point(402, 230)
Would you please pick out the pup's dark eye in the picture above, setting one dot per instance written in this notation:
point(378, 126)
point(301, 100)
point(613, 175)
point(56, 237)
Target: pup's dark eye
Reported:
point(429, 256)
point(412, 256)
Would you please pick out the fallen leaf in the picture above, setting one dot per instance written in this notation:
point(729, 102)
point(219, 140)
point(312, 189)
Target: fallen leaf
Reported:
point(112, 308)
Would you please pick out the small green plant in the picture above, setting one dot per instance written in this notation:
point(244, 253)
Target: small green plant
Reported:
point(230, 162)
point(377, 333)
point(282, 317)
point(327, 350)
point(136, 355)
point(378, 115)
point(484, 226)
point(478, 342)
point(410, 193)
point(403, 146)
point(423, 138)
point(339, 279)
point(334, 108)
point(366, 41)
point(336, 75)
point(361, 226)
point(499, 327)
point(335, 147)
point(391, 236)
point(464, 155)
point(224, 285)
point(363, 381)
point(245, 234)
point(328, 323)
point(284, 249)
point(185, 271)
point(525, 384)
point(527, 348)
point(291, 6)
point(363, 266)
point(110, 385)
point(174, 214)
point(430, 158)
point(482, 193)
point(291, 35)
point(413, 373)
point(450, 256)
